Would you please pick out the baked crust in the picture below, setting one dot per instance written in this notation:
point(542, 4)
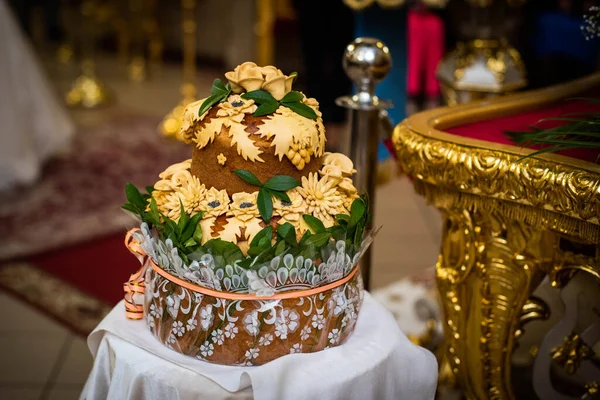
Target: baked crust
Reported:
point(206, 166)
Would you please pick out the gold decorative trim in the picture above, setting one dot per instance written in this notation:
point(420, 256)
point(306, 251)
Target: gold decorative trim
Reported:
point(431, 124)
point(549, 190)
point(571, 353)
point(64, 302)
point(487, 267)
point(503, 224)
point(443, 198)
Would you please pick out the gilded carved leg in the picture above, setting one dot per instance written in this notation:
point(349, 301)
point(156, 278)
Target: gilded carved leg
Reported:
point(486, 271)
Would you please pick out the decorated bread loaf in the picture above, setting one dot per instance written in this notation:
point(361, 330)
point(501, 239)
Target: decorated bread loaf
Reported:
point(251, 130)
point(250, 248)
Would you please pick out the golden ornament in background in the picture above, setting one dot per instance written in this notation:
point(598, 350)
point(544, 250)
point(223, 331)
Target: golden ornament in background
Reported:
point(87, 91)
point(265, 21)
point(65, 54)
point(171, 123)
point(138, 69)
point(570, 354)
point(480, 69)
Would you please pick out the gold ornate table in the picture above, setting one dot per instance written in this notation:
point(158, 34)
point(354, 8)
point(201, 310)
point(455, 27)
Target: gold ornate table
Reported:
point(508, 223)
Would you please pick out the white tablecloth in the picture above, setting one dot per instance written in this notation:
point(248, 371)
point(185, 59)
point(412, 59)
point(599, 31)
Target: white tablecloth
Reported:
point(377, 362)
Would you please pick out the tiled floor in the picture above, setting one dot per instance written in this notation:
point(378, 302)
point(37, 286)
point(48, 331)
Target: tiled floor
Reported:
point(39, 359)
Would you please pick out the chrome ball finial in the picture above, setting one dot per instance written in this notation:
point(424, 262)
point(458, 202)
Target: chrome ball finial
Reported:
point(367, 61)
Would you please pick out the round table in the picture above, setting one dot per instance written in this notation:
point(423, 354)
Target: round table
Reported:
point(377, 362)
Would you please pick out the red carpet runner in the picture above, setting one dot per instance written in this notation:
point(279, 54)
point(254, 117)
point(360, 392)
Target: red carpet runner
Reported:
point(75, 285)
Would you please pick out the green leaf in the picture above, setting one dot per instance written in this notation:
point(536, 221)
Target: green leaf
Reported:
point(191, 226)
point(318, 240)
point(223, 252)
point(292, 97)
point(197, 236)
point(183, 217)
point(219, 89)
point(357, 211)
point(287, 233)
point(265, 205)
point(280, 248)
point(154, 209)
point(184, 257)
point(585, 121)
point(149, 189)
point(266, 109)
point(266, 232)
point(304, 238)
point(170, 228)
point(134, 196)
point(255, 251)
point(248, 177)
point(342, 218)
point(153, 216)
point(337, 232)
point(302, 109)
point(208, 103)
point(131, 208)
point(245, 263)
point(261, 242)
point(260, 97)
point(280, 195)
point(358, 237)
point(190, 243)
point(281, 183)
point(314, 223)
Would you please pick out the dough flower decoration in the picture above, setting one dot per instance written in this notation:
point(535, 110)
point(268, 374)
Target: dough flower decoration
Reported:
point(340, 168)
point(299, 153)
point(322, 199)
point(189, 195)
point(340, 160)
point(177, 187)
point(215, 203)
point(235, 108)
point(244, 210)
point(293, 136)
point(244, 206)
point(173, 176)
point(314, 104)
point(245, 77)
point(276, 82)
point(248, 77)
point(230, 114)
point(291, 211)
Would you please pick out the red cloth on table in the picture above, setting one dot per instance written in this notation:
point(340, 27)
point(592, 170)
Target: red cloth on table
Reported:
point(492, 130)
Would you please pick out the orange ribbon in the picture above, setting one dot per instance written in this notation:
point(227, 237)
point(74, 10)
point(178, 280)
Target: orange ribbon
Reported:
point(136, 283)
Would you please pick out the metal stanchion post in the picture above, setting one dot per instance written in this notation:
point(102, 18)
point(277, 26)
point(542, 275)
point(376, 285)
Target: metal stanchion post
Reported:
point(366, 62)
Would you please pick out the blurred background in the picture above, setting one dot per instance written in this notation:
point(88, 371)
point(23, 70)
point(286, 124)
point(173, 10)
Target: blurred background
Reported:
point(91, 96)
